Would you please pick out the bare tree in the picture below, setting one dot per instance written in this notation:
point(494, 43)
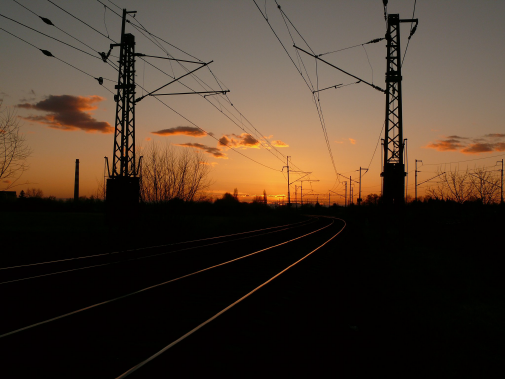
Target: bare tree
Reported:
point(453, 185)
point(34, 193)
point(464, 186)
point(168, 173)
point(486, 187)
point(13, 149)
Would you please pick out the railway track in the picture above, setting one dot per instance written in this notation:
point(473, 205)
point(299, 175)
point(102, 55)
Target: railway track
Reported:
point(110, 320)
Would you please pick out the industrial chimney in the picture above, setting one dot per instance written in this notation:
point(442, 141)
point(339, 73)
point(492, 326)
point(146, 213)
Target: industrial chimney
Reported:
point(76, 184)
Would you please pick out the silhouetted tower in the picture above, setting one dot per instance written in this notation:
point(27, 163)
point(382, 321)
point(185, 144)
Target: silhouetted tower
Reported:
point(123, 188)
point(394, 167)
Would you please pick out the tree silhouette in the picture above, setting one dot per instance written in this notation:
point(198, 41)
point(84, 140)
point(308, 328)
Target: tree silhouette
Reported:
point(168, 174)
point(13, 149)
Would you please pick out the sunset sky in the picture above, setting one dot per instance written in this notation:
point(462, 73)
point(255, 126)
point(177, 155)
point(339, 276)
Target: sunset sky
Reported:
point(453, 88)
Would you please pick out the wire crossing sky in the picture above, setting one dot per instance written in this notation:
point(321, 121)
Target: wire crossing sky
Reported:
point(282, 102)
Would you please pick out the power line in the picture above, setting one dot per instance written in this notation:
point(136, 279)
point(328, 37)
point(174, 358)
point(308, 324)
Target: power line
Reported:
point(411, 33)
point(49, 22)
point(258, 137)
point(467, 160)
point(310, 86)
point(49, 54)
point(352, 47)
point(376, 145)
point(48, 36)
point(231, 147)
point(203, 84)
point(77, 18)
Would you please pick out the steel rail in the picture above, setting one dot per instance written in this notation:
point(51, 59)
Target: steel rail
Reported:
point(159, 284)
point(146, 247)
point(144, 256)
point(135, 368)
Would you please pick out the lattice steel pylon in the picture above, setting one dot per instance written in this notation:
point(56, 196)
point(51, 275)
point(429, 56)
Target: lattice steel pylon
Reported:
point(123, 187)
point(393, 172)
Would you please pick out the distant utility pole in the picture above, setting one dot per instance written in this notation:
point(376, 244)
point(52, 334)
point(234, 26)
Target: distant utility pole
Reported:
point(394, 167)
point(359, 198)
point(345, 197)
point(289, 194)
point(301, 188)
point(416, 176)
point(350, 190)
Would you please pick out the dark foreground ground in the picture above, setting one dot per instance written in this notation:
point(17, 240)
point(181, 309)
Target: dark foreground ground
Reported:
point(431, 306)
point(421, 295)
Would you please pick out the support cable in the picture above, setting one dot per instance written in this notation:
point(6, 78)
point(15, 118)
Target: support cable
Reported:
point(204, 84)
point(50, 23)
point(352, 47)
point(49, 54)
point(310, 86)
point(99, 32)
point(142, 29)
point(376, 145)
point(48, 36)
point(412, 31)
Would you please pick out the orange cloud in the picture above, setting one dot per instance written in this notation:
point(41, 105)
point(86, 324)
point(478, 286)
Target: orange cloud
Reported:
point(182, 130)
point(67, 112)
point(352, 140)
point(279, 143)
point(214, 151)
point(243, 140)
point(445, 145)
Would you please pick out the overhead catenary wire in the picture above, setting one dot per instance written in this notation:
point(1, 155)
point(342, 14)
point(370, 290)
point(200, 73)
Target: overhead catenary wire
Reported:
point(352, 47)
point(49, 22)
point(48, 36)
point(376, 145)
point(49, 54)
point(85, 23)
point(259, 138)
point(466, 160)
point(310, 86)
point(220, 108)
point(411, 33)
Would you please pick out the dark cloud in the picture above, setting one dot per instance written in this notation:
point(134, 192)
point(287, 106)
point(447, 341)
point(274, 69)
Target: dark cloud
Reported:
point(243, 140)
point(214, 151)
point(486, 144)
point(68, 112)
point(224, 141)
point(445, 145)
point(477, 148)
point(495, 135)
point(182, 130)
point(456, 137)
